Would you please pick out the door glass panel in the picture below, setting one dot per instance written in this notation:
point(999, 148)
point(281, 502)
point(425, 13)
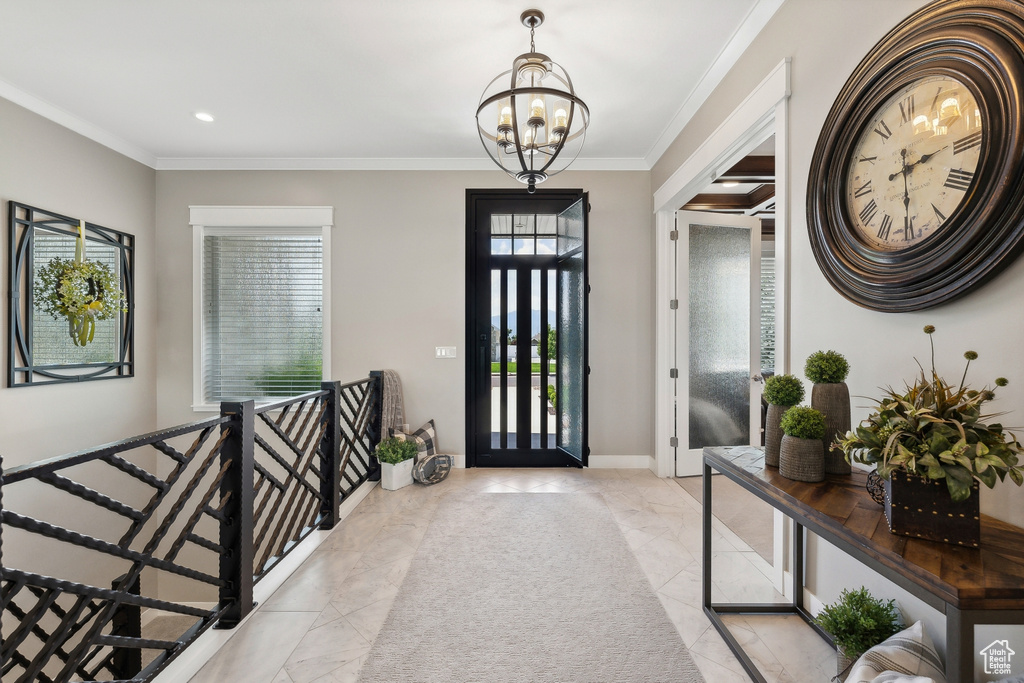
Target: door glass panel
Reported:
point(501, 224)
point(501, 245)
point(524, 224)
point(552, 350)
point(571, 378)
point(524, 246)
point(719, 367)
point(497, 341)
point(510, 369)
point(535, 393)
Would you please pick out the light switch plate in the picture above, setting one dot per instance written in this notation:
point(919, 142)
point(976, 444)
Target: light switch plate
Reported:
point(444, 352)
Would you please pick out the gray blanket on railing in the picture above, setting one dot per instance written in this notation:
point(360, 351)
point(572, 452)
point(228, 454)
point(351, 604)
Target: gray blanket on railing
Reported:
point(392, 406)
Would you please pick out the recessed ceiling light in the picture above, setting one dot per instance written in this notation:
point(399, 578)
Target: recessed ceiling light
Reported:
point(203, 116)
point(727, 183)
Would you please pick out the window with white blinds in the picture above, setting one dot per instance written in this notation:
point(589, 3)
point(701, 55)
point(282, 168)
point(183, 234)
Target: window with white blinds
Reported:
point(262, 313)
point(768, 313)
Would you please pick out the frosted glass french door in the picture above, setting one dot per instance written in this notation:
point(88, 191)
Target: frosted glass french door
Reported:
point(718, 384)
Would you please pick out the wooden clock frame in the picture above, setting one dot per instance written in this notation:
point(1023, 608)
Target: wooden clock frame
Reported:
point(981, 44)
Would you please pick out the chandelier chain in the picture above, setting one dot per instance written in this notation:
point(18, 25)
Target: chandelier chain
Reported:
point(533, 48)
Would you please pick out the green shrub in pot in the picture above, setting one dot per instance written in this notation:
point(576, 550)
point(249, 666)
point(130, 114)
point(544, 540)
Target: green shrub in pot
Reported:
point(803, 423)
point(780, 392)
point(858, 621)
point(826, 367)
point(783, 390)
point(394, 451)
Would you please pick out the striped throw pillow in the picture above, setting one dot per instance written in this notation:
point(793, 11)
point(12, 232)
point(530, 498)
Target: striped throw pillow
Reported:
point(425, 438)
point(907, 657)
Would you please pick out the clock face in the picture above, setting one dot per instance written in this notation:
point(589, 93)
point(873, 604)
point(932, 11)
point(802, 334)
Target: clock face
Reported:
point(914, 163)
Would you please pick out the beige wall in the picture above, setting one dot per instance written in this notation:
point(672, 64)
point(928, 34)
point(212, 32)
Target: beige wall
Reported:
point(48, 166)
point(45, 165)
point(825, 47)
point(398, 272)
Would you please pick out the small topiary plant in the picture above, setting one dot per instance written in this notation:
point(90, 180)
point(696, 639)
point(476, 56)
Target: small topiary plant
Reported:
point(826, 367)
point(803, 423)
point(783, 390)
point(394, 451)
point(858, 621)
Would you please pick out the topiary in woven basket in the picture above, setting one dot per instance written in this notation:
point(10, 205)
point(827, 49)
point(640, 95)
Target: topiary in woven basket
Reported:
point(781, 392)
point(800, 456)
point(828, 371)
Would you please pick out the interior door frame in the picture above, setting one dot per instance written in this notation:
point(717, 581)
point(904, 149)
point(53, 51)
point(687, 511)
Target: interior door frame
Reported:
point(764, 111)
point(477, 262)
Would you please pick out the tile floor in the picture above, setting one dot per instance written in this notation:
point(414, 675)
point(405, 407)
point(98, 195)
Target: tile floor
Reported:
point(319, 626)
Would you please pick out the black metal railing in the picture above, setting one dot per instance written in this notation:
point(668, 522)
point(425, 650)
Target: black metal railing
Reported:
point(181, 522)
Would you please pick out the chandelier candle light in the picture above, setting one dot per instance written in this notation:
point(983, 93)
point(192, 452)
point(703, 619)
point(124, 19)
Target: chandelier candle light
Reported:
point(536, 127)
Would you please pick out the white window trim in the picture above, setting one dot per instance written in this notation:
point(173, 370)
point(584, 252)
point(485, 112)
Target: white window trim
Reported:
point(207, 219)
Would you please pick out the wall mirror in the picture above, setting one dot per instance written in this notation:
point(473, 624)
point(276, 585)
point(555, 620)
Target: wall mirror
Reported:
point(48, 348)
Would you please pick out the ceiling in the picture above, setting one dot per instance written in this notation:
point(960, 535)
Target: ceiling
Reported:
point(748, 188)
point(344, 84)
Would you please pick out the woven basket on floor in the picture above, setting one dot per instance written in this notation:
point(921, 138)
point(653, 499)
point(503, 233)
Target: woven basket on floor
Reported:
point(773, 434)
point(833, 400)
point(801, 459)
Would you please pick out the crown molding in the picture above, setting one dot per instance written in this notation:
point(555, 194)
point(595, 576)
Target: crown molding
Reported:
point(73, 123)
point(756, 19)
point(344, 164)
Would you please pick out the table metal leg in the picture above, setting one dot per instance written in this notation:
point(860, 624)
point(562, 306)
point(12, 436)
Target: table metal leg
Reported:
point(714, 611)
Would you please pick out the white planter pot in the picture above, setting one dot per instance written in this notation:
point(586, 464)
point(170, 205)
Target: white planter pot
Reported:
point(394, 477)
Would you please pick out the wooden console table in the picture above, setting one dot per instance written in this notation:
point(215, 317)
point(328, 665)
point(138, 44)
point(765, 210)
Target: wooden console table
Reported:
point(969, 586)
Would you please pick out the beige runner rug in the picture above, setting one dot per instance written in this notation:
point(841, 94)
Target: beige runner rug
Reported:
point(526, 587)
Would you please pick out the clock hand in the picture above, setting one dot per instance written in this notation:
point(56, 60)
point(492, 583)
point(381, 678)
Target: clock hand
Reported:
point(926, 157)
point(909, 167)
point(906, 196)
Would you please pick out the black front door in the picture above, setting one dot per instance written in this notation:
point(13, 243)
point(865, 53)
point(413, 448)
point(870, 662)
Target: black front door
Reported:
point(525, 272)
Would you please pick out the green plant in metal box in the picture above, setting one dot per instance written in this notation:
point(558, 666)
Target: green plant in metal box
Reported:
point(937, 430)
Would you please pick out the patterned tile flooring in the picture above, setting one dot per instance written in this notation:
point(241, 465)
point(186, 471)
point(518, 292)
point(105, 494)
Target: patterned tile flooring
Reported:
point(319, 626)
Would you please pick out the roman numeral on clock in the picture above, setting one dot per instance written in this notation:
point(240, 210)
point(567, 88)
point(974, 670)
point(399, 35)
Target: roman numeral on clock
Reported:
point(959, 179)
point(967, 142)
point(907, 110)
point(908, 228)
point(868, 212)
point(863, 190)
point(883, 232)
point(871, 159)
point(938, 214)
point(883, 130)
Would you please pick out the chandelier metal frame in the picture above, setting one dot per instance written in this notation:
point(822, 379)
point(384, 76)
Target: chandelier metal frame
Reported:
point(529, 152)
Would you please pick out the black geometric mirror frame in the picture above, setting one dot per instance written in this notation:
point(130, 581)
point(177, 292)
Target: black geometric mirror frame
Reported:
point(25, 365)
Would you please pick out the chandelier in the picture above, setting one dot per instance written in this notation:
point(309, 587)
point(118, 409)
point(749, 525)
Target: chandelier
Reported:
point(535, 128)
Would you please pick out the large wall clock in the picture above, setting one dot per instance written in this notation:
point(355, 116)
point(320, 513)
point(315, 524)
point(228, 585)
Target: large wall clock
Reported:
point(916, 188)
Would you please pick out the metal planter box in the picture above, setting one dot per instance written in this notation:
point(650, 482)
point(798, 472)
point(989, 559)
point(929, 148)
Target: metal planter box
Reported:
point(922, 508)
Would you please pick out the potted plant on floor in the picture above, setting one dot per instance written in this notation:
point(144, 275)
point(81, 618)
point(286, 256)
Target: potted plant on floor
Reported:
point(801, 456)
point(781, 392)
point(857, 622)
point(829, 394)
point(396, 462)
point(932, 445)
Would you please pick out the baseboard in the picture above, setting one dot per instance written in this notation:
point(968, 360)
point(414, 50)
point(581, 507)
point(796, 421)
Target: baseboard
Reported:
point(196, 655)
point(628, 462)
point(459, 460)
point(812, 604)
